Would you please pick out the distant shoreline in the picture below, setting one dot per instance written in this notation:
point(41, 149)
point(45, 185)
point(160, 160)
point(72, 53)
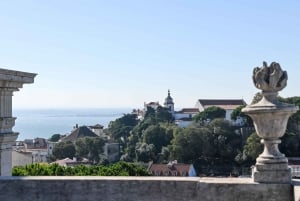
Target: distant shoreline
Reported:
point(32, 123)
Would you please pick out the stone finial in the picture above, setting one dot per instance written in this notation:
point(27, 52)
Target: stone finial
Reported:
point(270, 119)
point(269, 78)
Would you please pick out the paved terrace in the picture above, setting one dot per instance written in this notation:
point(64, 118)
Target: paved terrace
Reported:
point(142, 189)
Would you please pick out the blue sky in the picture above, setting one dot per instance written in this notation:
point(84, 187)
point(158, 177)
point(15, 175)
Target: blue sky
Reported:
point(123, 53)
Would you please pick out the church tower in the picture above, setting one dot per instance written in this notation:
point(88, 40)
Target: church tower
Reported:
point(169, 103)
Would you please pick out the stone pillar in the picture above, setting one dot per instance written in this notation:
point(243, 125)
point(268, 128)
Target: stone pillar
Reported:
point(10, 81)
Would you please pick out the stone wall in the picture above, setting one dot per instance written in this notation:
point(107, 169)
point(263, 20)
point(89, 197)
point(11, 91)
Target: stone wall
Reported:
point(140, 189)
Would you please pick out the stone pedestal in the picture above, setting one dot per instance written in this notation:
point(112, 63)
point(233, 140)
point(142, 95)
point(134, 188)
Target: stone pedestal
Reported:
point(10, 81)
point(271, 166)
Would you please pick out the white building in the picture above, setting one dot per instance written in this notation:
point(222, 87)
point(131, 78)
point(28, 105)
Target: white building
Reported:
point(227, 104)
point(21, 158)
point(184, 117)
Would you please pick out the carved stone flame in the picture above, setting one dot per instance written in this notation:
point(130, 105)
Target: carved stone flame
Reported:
point(270, 79)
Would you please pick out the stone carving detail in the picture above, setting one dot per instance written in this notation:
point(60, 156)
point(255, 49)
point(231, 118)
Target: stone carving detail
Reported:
point(270, 79)
point(7, 123)
point(10, 81)
point(270, 120)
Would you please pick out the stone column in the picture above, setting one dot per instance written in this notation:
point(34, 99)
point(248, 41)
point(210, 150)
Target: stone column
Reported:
point(10, 81)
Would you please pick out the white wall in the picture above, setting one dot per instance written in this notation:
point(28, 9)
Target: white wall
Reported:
point(21, 159)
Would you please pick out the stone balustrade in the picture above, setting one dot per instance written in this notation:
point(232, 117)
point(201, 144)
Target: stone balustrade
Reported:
point(140, 189)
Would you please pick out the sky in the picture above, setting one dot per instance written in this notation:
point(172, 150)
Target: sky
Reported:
point(117, 54)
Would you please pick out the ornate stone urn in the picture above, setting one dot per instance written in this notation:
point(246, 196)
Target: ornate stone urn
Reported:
point(270, 120)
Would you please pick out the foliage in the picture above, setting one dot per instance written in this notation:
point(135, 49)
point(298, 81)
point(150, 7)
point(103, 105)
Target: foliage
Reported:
point(145, 152)
point(252, 148)
point(89, 147)
point(237, 112)
point(64, 150)
point(216, 141)
point(290, 144)
point(210, 113)
point(55, 137)
point(163, 115)
point(118, 169)
point(295, 118)
point(121, 127)
point(157, 135)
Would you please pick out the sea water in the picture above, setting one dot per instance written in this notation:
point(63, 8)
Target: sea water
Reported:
point(32, 123)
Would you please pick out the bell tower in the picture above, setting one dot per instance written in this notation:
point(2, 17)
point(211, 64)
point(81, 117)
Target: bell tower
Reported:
point(169, 103)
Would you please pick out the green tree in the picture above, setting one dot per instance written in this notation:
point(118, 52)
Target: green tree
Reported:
point(216, 141)
point(145, 152)
point(90, 147)
point(189, 144)
point(150, 112)
point(290, 144)
point(156, 135)
point(64, 150)
point(295, 118)
point(252, 148)
point(55, 137)
point(237, 112)
point(210, 113)
point(120, 128)
point(163, 115)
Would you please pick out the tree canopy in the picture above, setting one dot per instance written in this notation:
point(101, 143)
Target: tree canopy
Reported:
point(90, 148)
point(87, 147)
point(210, 113)
point(63, 150)
point(121, 127)
point(237, 112)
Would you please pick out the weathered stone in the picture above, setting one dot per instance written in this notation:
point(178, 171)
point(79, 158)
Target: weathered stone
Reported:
point(140, 188)
point(10, 81)
point(270, 120)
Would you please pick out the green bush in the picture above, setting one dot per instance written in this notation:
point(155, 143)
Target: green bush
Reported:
point(118, 169)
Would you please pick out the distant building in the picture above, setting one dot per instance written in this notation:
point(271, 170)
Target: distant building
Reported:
point(79, 132)
point(184, 117)
point(153, 105)
point(50, 146)
point(172, 169)
point(21, 158)
point(36, 143)
point(30, 151)
point(227, 104)
point(139, 113)
point(98, 130)
point(67, 162)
